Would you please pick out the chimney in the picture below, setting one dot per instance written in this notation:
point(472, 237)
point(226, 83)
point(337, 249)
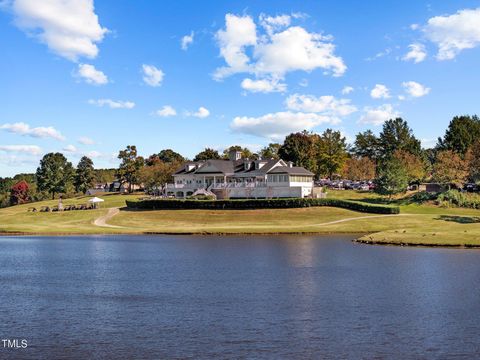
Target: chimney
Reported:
point(234, 155)
point(246, 164)
point(290, 164)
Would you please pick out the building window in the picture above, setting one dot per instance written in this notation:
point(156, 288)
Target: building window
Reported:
point(300, 178)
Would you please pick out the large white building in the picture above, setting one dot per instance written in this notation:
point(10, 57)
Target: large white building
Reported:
point(242, 178)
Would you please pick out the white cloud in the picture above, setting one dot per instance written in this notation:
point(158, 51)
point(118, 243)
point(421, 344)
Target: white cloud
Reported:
point(70, 148)
point(297, 49)
point(86, 141)
point(70, 28)
point(377, 116)
point(240, 31)
point(277, 125)
point(272, 53)
point(187, 40)
point(274, 23)
point(113, 104)
point(454, 33)
point(263, 85)
point(415, 89)
point(416, 54)
point(379, 55)
point(92, 75)
point(380, 92)
point(347, 90)
point(166, 111)
point(93, 154)
point(201, 113)
point(38, 132)
point(327, 105)
point(27, 149)
point(152, 75)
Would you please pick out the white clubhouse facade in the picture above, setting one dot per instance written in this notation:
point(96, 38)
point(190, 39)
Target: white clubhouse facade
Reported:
point(241, 179)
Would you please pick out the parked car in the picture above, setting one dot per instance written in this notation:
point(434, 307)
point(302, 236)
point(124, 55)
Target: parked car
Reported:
point(471, 187)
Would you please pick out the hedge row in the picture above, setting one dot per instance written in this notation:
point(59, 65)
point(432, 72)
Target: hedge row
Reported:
point(166, 204)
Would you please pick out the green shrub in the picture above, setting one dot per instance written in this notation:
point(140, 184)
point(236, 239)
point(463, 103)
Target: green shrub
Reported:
point(424, 196)
point(460, 199)
point(201, 197)
point(166, 204)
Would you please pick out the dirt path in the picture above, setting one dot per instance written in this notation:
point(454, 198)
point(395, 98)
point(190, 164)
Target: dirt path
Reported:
point(102, 220)
point(357, 218)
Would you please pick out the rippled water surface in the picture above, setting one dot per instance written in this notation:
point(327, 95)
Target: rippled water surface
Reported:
point(155, 297)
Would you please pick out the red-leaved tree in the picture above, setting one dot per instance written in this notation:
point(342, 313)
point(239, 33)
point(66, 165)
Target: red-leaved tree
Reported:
point(19, 193)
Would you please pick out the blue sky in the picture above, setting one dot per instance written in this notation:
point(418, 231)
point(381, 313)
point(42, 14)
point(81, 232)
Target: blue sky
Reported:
point(84, 77)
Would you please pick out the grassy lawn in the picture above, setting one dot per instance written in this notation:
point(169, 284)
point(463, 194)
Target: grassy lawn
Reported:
point(417, 224)
point(19, 219)
point(234, 221)
point(424, 224)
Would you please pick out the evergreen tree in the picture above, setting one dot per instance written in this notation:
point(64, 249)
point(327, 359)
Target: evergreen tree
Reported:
point(54, 174)
point(84, 175)
point(270, 151)
point(391, 178)
point(332, 153)
point(301, 149)
point(397, 135)
point(130, 166)
point(461, 134)
point(367, 145)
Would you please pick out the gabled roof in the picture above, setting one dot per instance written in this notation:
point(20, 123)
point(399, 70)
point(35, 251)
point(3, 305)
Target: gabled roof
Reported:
point(237, 168)
point(225, 167)
point(269, 164)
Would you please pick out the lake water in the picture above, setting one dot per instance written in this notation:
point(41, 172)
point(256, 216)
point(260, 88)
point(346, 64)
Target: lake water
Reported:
point(157, 297)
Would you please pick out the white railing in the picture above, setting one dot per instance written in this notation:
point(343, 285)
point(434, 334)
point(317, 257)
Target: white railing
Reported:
point(219, 185)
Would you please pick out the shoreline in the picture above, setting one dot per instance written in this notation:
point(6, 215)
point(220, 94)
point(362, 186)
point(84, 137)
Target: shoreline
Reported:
point(357, 240)
point(413, 244)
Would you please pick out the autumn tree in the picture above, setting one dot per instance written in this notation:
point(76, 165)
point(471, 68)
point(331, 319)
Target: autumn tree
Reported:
point(54, 174)
point(331, 153)
point(19, 193)
point(84, 175)
point(129, 169)
point(301, 149)
point(391, 178)
point(154, 177)
point(450, 168)
point(358, 169)
point(413, 164)
point(207, 154)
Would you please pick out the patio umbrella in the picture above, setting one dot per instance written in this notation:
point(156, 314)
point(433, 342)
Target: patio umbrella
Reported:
point(96, 200)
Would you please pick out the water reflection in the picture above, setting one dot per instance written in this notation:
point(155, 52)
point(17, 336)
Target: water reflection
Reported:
point(247, 297)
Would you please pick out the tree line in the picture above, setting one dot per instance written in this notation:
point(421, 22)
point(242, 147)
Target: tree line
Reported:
point(394, 159)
